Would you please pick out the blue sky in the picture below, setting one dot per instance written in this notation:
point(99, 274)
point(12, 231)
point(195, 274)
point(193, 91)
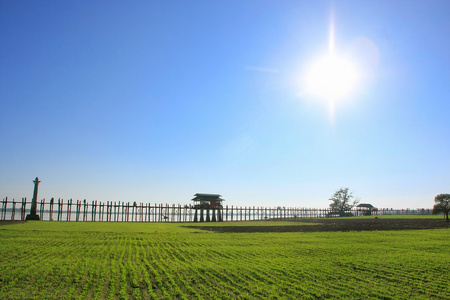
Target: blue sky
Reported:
point(154, 101)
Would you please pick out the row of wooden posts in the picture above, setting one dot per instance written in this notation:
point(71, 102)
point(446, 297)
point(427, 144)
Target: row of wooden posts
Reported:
point(69, 210)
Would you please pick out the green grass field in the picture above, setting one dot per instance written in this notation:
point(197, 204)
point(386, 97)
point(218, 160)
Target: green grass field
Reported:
point(53, 260)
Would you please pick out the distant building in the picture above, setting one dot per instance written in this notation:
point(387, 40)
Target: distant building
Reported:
point(366, 209)
point(208, 203)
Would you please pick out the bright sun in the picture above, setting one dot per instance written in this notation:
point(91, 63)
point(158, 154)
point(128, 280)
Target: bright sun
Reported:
point(331, 78)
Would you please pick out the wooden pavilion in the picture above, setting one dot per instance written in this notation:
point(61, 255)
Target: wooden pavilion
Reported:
point(366, 209)
point(208, 203)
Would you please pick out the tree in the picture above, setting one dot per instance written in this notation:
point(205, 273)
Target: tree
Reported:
point(442, 205)
point(341, 201)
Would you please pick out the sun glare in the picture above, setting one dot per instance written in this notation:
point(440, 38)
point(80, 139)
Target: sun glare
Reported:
point(331, 78)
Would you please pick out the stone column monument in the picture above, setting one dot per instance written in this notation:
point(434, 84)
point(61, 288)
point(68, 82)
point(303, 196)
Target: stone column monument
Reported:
point(33, 215)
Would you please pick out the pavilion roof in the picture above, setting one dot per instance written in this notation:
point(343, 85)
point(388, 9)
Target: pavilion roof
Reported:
point(365, 205)
point(207, 197)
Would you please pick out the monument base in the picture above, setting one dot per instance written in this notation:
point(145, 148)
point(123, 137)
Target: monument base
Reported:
point(32, 217)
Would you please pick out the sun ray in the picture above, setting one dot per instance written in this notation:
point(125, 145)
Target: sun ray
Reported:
point(331, 36)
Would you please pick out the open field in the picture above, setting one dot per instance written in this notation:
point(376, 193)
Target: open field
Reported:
point(90, 260)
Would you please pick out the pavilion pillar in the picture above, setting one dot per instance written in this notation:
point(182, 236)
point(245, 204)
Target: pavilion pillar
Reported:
point(219, 215)
point(214, 215)
point(207, 216)
point(201, 215)
point(195, 216)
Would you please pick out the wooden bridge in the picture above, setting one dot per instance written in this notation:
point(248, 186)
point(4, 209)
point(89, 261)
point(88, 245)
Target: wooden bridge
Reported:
point(95, 211)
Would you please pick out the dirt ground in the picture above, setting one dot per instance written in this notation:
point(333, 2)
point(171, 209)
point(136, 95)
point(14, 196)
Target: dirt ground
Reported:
point(318, 225)
point(10, 222)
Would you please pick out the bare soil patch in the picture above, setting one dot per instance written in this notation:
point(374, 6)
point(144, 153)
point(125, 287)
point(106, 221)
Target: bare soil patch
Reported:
point(9, 222)
point(321, 225)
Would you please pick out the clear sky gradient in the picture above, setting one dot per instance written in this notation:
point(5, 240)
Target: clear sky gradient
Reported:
point(154, 101)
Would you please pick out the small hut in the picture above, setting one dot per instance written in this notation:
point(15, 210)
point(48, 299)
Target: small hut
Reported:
point(366, 209)
point(208, 203)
